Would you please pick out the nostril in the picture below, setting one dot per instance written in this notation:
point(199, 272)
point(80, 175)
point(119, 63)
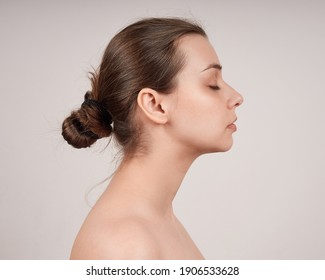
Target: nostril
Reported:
point(240, 101)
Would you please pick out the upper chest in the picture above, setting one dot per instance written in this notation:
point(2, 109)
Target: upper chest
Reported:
point(176, 243)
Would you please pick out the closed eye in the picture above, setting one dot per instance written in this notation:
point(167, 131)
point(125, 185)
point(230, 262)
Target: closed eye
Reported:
point(214, 87)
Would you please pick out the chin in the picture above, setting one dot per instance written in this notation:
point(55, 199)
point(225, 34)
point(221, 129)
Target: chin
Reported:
point(223, 148)
point(217, 149)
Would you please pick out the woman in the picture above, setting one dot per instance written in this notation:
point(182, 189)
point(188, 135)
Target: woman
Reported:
point(159, 91)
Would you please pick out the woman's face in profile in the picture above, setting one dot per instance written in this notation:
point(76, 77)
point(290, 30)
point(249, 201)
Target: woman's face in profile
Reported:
point(204, 104)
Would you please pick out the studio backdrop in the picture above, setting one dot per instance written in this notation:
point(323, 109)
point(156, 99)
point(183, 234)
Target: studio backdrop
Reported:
point(264, 199)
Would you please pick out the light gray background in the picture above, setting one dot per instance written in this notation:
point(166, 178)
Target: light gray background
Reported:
point(264, 199)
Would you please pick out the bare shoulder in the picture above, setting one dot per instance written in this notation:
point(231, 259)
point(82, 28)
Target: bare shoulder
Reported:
point(127, 238)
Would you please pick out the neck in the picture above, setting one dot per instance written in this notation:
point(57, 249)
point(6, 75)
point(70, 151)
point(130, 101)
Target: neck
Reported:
point(152, 180)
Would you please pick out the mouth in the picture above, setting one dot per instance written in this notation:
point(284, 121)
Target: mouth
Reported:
point(232, 125)
point(233, 121)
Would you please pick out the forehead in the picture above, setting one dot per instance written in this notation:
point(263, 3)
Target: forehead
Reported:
point(199, 53)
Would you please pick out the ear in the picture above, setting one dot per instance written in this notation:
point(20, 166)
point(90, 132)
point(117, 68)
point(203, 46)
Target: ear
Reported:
point(151, 104)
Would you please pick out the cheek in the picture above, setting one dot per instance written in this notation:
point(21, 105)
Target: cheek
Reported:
point(199, 119)
point(205, 111)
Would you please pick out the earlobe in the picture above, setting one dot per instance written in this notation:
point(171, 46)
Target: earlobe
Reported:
point(150, 103)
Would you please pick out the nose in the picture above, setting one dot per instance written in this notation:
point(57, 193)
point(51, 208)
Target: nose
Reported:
point(236, 99)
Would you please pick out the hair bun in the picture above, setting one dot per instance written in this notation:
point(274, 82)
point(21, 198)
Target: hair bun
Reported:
point(88, 124)
point(88, 102)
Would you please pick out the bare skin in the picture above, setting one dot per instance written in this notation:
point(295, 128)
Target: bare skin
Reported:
point(130, 222)
point(134, 217)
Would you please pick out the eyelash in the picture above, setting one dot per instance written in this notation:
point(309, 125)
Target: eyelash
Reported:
point(214, 87)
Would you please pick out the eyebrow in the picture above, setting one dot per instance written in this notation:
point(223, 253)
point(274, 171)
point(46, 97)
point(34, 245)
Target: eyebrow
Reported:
point(213, 66)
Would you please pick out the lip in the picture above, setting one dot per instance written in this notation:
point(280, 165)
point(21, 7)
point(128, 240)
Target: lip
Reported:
point(232, 125)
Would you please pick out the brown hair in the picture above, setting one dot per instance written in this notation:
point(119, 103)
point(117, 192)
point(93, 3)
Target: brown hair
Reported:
point(142, 55)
